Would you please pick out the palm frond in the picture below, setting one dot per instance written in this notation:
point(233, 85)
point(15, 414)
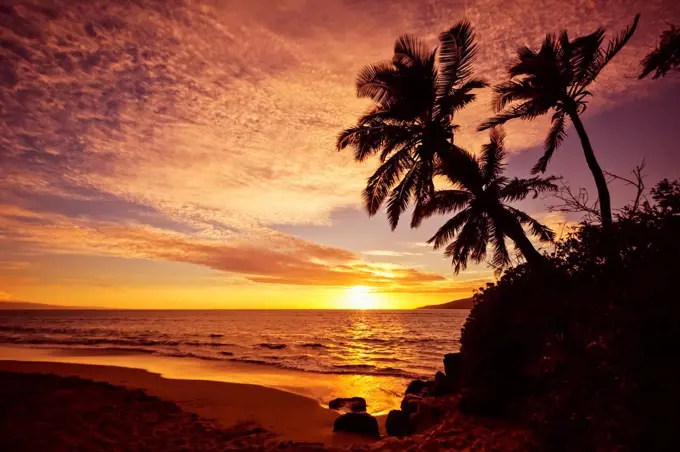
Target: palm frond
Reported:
point(450, 103)
point(555, 137)
point(526, 110)
point(460, 167)
point(410, 51)
point(457, 52)
point(511, 91)
point(367, 140)
point(384, 178)
point(449, 229)
point(375, 81)
point(526, 63)
point(401, 195)
point(493, 154)
point(501, 257)
point(441, 202)
point(470, 243)
point(586, 51)
point(519, 189)
point(613, 48)
point(664, 57)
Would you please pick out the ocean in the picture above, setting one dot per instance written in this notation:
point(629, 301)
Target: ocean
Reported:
point(406, 344)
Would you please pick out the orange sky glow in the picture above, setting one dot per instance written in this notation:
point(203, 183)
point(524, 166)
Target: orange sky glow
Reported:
point(176, 154)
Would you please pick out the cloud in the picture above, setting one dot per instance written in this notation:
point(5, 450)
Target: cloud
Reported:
point(388, 253)
point(275, 259)
point(184, 131)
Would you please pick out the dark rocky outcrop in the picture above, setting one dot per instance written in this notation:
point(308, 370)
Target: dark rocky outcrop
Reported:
point(350, 404)
point(416, 387)
point(452, 365)
point(410, 403)
point(397, 423)
point(442, 385)
point(358, 423)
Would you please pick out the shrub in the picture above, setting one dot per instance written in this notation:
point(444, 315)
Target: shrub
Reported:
point(588, 353)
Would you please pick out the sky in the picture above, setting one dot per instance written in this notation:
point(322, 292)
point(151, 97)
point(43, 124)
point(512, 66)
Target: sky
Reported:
point(181, 154)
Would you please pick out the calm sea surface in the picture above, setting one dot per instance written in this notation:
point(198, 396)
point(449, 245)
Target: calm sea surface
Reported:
point(391, 343)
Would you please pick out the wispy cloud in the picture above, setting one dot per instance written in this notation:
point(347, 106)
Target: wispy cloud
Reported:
point(388, 253)
point(181, 131)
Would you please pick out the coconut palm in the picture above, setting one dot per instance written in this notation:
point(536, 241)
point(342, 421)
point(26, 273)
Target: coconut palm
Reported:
point(415, 96)
point(665, 57)
point(556, 77)
point(483, 214)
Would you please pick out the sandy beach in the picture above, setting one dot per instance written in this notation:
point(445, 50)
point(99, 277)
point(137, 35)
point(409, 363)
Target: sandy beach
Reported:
point(227, 406)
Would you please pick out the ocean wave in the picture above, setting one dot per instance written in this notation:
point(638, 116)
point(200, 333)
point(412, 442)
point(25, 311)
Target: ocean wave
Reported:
point(143, 342)
point(272, 346)
point(313, 345)
point(348, 369)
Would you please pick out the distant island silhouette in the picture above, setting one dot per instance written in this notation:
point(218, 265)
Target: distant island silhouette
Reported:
point(463, 303)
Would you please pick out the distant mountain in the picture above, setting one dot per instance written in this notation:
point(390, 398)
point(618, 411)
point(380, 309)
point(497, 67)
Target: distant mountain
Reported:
point(464, 303)
point(9, 305)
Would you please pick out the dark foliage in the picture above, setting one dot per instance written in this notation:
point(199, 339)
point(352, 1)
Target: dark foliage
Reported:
point(480, 200)
point(556, 78)
point(665, 57)
point(410, 124)
point(589, 354)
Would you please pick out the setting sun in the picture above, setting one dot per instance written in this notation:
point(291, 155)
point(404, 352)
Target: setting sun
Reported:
point(361, 297)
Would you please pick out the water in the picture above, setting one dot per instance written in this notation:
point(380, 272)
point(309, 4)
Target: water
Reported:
point(405, 344)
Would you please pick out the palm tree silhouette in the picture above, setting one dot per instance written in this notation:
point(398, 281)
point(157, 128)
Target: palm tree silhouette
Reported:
point(415, 96)
point(556, 77)
point(665, 57)
point(483, 214)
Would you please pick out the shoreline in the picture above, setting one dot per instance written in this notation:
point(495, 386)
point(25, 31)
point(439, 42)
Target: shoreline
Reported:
point(293, 406)
point(288, 416)
point(383, 393)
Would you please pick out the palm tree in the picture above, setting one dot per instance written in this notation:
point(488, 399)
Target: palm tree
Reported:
point(665, 57)
point(415, 96)
point(556, 77)
point(483, 214)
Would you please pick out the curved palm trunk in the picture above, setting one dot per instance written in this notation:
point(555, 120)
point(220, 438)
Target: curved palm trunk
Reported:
point(531, 254)
point(598, 175)
point(515, 232)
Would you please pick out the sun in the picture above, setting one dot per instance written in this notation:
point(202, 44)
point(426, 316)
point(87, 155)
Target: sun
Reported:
point(361, 297)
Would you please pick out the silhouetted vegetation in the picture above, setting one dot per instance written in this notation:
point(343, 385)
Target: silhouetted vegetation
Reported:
point(587, 356)
point(581, 343)
point(415, 96)
point(665, 57)
point(557, 77)
point(483, 217)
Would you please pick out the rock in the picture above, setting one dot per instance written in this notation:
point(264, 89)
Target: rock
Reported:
point(452, 365)
point(359, 423)
point(442, 385)
point(416, 387)
point(429, 413)
point(409, 404)
point(351, 404)
point(397, 423)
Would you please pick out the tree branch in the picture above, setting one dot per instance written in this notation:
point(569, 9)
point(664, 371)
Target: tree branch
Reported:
point(638, 182)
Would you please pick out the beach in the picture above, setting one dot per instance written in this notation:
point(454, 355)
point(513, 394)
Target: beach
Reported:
point(283, 414)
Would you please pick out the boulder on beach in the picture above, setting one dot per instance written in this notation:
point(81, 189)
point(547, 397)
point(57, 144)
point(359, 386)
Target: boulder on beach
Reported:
point(397, 423)
point(348, 404)
point(452, 365)
point(416, 387)
point(442, 385)
point(409, 404)
point(358, 423)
